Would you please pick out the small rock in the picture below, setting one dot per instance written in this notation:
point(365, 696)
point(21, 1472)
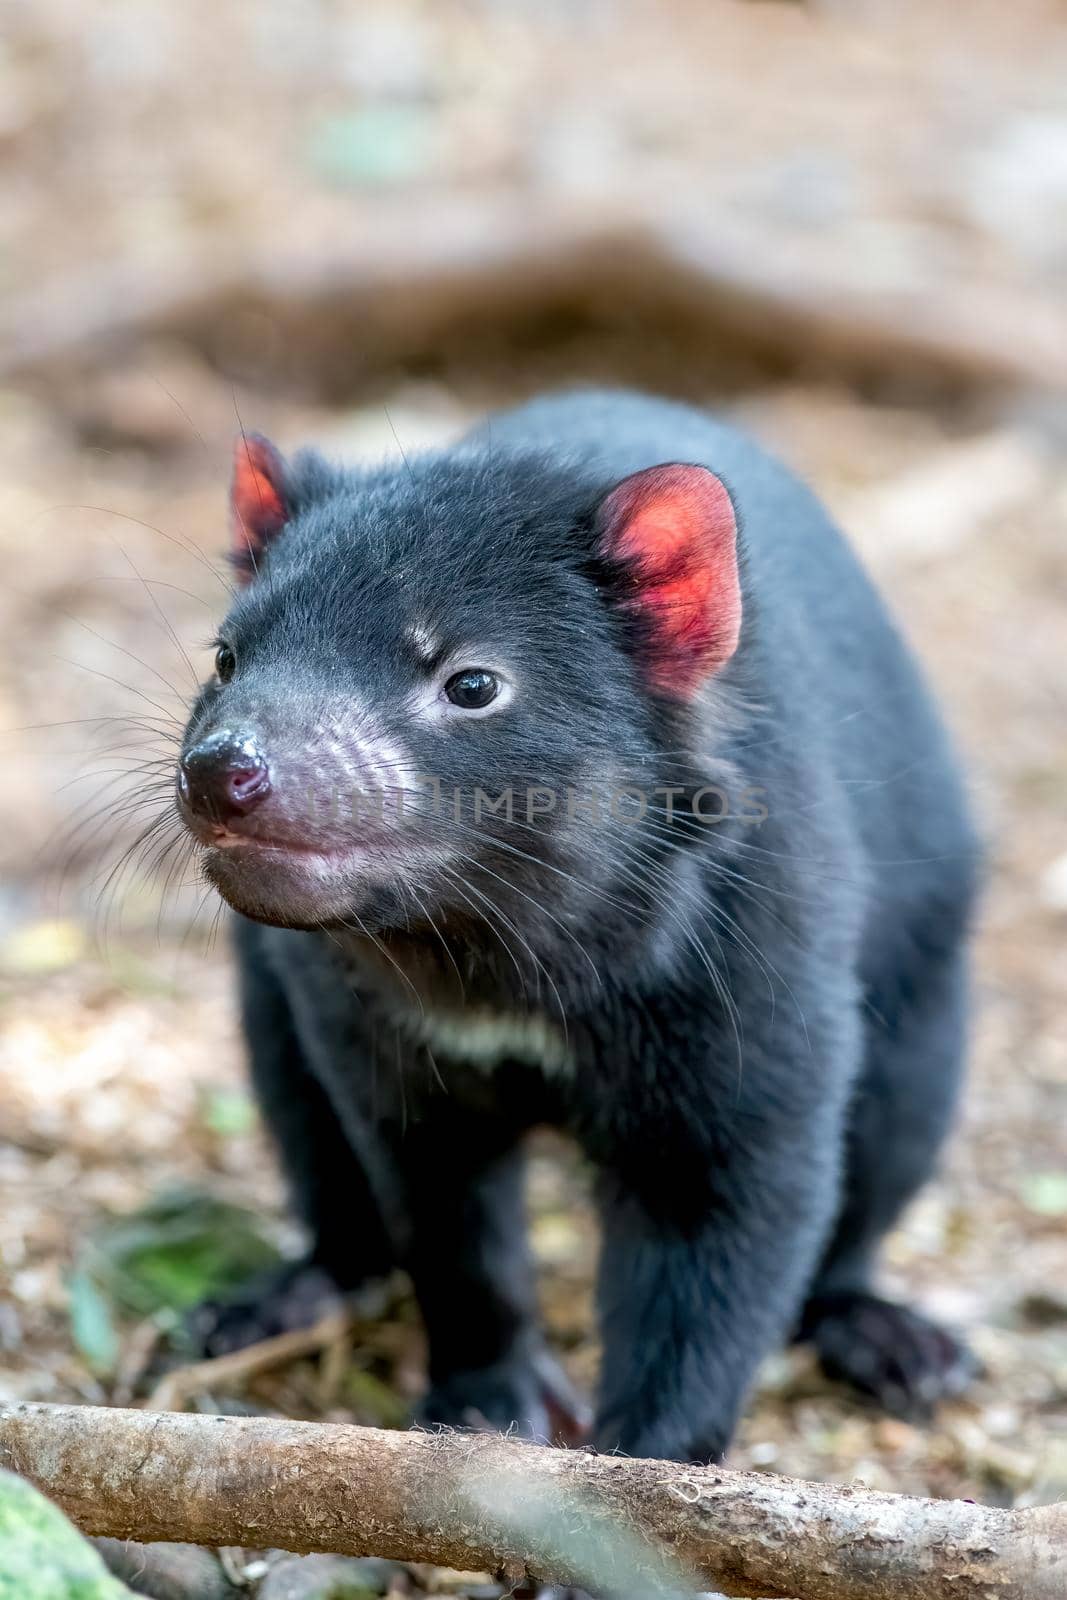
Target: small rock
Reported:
point(328, 1578)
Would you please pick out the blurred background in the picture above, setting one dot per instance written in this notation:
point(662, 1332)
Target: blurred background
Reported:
point(362, 224)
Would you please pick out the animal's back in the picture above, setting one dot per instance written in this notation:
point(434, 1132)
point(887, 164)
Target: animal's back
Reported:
point(829, 654)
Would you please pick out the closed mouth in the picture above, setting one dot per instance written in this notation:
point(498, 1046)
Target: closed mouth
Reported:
point(258, 844)
point(223, 838)
point(370, 853)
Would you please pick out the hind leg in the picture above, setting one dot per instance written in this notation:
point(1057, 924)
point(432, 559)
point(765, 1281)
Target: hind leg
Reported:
point(903, 1109)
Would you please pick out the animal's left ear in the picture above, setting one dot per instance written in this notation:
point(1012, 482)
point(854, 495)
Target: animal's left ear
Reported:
point(259, 501)
point(670, 533)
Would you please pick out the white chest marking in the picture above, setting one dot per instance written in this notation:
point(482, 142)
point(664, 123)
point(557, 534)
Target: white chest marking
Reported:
point(486, 1038)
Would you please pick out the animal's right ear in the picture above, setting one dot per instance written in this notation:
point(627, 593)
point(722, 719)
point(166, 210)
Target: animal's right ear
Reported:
point(259, 501)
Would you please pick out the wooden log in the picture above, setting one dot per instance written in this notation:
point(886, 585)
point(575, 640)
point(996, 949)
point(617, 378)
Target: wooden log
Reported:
point(614, 1526)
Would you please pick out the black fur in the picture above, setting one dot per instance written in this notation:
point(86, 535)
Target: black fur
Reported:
point(763, 1019)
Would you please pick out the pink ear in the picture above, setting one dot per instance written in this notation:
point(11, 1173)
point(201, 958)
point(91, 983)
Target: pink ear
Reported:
point(674, 528)
point(258, 508)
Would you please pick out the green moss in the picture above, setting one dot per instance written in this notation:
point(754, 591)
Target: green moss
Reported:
point(42, 1557)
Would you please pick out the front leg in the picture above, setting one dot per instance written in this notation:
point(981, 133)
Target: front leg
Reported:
point(714, 1211)
point(473, 1275)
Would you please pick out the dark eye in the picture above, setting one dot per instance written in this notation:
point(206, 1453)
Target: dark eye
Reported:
point(472, 689)
point(225, 663)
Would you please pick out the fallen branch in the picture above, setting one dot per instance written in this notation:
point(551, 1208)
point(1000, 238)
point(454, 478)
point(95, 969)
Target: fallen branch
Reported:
point(405, 283)
point(616, 1526)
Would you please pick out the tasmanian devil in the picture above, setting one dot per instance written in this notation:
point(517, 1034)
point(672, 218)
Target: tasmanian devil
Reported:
point(576, 775)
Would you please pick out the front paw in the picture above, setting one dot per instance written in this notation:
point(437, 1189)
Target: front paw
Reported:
point(294, 1295)
point(528, 1395)
point(666, 1438)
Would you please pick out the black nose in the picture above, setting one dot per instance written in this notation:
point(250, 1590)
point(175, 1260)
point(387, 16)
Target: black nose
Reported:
point(224, 776)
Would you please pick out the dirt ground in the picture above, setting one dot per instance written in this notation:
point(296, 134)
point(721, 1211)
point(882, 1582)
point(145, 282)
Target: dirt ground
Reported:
point(120, 1070)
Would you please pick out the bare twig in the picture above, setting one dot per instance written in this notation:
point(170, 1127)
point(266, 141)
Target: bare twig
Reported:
point(176, 1388)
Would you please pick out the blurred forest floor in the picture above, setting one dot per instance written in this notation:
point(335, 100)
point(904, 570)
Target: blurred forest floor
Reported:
point(877, 153)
